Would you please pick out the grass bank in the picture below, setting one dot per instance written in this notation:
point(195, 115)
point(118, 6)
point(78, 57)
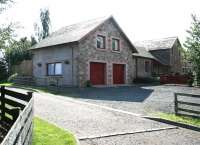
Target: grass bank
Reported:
point(181, 119)
point(49, 134)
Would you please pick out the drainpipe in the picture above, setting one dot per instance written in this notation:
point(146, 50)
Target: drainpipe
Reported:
point(73, 66)
point(136, 66)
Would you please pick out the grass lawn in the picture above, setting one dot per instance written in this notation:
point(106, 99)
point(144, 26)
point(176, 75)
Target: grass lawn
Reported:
point(6, 84)
point(181, 119)
point(48, 134)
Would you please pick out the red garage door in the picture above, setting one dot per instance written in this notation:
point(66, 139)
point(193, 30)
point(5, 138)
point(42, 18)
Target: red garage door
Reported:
point(97, 73)
point(118, 73)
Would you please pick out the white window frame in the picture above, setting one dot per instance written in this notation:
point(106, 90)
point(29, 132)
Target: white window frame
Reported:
point(119, 45)
point(104, 40)
point(54, 69)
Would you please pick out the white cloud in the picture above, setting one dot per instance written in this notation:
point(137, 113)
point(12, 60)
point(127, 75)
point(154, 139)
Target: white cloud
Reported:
point(140, 19)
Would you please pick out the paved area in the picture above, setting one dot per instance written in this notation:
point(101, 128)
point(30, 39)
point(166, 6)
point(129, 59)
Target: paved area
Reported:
point(98, 125)
point(137, 99)
point(164, 137)
point(86, 120)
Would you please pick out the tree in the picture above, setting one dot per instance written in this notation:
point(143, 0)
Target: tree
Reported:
point(17, 52)
point(4, 4)
point(5, 31)
point(5, 37)
point(43, 30)
point(33, 41)
point(192, 43)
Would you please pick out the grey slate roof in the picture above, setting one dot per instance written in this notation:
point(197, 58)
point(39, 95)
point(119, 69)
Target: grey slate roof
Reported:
point(75, 33)
point(70, 33)
point(157, 44)
point(155, 49)
point(142, 52)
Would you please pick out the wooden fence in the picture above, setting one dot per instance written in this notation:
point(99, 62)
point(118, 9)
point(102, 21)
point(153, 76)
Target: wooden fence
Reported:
point(187, 108)
point(16, 117)
point(174, 79)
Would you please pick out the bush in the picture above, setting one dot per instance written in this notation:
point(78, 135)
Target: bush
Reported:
point(12, 77)
point(88, 83)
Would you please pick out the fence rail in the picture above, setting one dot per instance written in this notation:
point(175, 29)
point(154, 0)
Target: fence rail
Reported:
point(186, 109)
point(174, 79)
point(15, 117)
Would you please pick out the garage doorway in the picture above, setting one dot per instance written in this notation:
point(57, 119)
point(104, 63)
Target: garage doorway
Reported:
point(97, 73)
point(118, 73)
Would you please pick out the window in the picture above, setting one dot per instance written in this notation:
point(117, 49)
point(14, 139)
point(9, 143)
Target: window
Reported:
point(147, 66)
point(54, 69)
point(115, 44)
point(101, 42)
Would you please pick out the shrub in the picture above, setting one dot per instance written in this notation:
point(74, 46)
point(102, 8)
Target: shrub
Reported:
point(88, 83)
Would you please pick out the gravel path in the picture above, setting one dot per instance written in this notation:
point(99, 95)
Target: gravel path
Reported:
point(165, 137)
point(86, 120)
point(139, 99)
point(93, 121)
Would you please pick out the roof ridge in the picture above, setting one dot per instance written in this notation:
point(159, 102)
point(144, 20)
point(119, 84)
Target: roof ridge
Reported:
point(80, 22)
point(71, 33)
point(157, 39)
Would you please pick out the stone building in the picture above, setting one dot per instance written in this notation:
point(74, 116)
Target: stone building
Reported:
point(95, 51)
point(99, 52)
point(161, 56)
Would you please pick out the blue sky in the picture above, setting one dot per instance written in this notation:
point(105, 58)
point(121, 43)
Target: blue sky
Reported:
point(140, 19)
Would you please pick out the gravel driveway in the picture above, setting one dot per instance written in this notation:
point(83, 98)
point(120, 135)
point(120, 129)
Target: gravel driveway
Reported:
point(87, 120)
point(97, 125)
point(165, 137)
point(137, 99)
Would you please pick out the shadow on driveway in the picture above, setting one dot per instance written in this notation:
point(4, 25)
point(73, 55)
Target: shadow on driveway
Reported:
point(129, 94)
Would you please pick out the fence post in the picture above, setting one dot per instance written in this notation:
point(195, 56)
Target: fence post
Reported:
point(175, 103)
point(2, 102)
point(30, 94)
point(15, 113)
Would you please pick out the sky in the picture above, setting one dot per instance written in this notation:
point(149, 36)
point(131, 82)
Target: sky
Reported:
point(139, 19)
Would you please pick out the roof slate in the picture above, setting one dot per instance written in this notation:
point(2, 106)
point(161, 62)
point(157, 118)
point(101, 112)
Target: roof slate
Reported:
point(70, 33)
point(142, 52)
point(154, 49)
point(157, 44)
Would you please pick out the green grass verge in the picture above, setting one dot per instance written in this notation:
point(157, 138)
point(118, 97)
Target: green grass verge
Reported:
point(48, 134)
point(6, 84)
point(181, 119)
point(48, 89)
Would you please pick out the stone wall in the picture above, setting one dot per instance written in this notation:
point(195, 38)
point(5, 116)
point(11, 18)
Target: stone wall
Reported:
point(89, 53)
point(176, 58)
point(141, 73)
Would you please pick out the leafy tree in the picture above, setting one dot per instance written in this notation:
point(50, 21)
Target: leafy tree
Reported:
point(193, 44)
point(33, 41)
point(4, 4)
point(5, 37)
point(43, 30)
point(18, 51)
